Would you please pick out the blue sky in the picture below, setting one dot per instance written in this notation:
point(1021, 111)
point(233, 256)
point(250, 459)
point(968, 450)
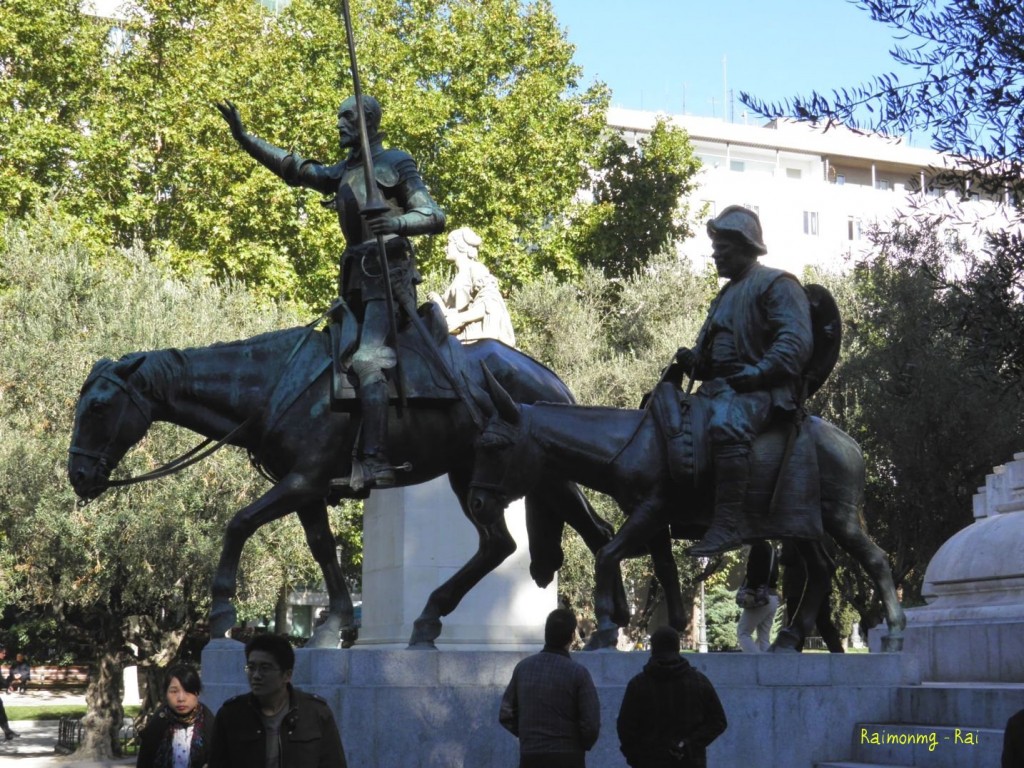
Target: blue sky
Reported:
point(666, 55)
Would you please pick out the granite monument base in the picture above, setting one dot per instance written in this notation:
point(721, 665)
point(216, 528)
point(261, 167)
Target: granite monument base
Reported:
point(972, 629)
point(439, 709)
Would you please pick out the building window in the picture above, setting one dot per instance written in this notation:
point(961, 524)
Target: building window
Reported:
point(737, 165)
point(755, 208)
point(853, 228)
point(883, 184)
point(840, 179)
point(794, 173)
point(810, 222)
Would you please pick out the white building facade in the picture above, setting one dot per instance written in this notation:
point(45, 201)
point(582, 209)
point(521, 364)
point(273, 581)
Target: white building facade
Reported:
point(817, 192)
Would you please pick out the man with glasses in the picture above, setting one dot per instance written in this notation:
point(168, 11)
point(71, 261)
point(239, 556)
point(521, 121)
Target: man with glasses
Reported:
point(275, 725)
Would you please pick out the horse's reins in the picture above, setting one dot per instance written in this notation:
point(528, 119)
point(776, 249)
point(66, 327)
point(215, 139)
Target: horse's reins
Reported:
point(188, 458)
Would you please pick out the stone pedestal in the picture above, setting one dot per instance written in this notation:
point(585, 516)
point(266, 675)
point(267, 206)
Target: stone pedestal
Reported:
point(973, 626)
point(426, 709)
point(415, 539)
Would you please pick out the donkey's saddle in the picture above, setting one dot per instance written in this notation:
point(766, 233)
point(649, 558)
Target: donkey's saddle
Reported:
point(783, 498)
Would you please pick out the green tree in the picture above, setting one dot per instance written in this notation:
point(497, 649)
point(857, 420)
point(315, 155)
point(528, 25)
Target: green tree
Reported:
point(127, 577)
point(49, 70)
point(640, 203)
point(722, 613)
point(906, 372)
point(484, 94)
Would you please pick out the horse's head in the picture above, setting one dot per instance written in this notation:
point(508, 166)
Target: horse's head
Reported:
point(111, 417)
point(504, 468)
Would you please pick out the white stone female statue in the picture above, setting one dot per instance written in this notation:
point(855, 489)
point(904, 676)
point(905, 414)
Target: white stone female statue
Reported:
point(472, 304)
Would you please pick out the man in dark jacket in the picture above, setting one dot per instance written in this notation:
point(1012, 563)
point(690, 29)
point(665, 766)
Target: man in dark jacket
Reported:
point(275, 726)
point(1013, 742)
point(670, 712)
point(551, 703)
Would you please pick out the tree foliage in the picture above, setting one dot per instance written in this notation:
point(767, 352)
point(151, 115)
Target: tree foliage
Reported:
point(48, 81)
point(127, 577)
point(120, 126)
point(908, 390)
point(640, 203)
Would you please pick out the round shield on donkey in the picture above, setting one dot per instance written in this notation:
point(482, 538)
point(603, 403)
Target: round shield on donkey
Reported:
point(827, 328)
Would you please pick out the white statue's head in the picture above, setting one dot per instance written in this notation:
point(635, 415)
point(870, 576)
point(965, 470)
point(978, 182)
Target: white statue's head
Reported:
point(463, 242)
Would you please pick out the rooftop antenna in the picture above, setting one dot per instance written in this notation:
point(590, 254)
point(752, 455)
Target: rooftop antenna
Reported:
point(725, 89)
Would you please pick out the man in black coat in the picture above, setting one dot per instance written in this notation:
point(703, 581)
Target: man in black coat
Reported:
point(276, 725)
point(670, 712)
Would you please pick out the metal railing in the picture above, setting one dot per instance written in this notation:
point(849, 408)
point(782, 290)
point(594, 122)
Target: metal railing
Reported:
point(69, 735)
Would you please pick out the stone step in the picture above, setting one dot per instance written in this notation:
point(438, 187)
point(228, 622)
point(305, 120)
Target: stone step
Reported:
point(967, 705)
point(933, 746)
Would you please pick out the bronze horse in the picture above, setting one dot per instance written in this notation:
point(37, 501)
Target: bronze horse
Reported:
point(234, 391)
point(620, 452)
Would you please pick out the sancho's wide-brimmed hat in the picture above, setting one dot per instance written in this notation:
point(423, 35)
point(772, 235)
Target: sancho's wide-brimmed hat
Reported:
point(742, 223)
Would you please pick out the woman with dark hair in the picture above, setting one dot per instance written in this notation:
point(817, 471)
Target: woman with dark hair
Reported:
point(178, 734)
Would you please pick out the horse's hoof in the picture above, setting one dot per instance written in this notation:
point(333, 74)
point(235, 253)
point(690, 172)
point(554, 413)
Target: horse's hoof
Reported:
point(349, 635)
point(424, 633)
point(892, 644)
point(222, 619)
point(602, 639)
point(422, 645)
point(541, 576)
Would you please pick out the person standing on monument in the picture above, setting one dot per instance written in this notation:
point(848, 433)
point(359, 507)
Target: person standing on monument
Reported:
point(758, 596)
point(551, 703)
point(670, 712)
point(750, 355)
point(410, 210)
point(473, 304)
point(275, 725)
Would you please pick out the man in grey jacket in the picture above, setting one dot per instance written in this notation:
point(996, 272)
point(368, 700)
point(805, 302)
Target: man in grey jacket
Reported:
point(551, 703)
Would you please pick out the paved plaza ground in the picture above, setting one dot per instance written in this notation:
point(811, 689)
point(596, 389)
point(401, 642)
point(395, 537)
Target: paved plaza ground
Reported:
point(34, 748)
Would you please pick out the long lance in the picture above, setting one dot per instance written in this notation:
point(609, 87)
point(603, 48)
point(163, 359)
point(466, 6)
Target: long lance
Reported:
point(374, 205)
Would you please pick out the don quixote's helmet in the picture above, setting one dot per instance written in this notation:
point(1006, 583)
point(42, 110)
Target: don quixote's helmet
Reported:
point(742, 224)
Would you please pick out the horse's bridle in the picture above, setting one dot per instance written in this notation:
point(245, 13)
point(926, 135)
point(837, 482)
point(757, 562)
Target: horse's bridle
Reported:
point(186, 459)
point(500, 486)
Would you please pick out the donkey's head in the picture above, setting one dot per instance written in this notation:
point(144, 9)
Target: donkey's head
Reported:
point(505, 466)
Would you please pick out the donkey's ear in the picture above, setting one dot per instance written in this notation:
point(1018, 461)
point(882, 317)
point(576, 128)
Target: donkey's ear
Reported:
point(125, 367)
point(507, 408)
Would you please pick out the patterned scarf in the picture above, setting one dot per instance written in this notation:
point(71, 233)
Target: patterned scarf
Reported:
point(164, 757)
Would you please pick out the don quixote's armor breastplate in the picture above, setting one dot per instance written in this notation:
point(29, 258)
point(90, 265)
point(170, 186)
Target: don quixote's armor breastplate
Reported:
point(351, 198)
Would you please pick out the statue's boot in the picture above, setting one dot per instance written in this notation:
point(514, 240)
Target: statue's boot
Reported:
point(377, 469)
point(732, 475)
